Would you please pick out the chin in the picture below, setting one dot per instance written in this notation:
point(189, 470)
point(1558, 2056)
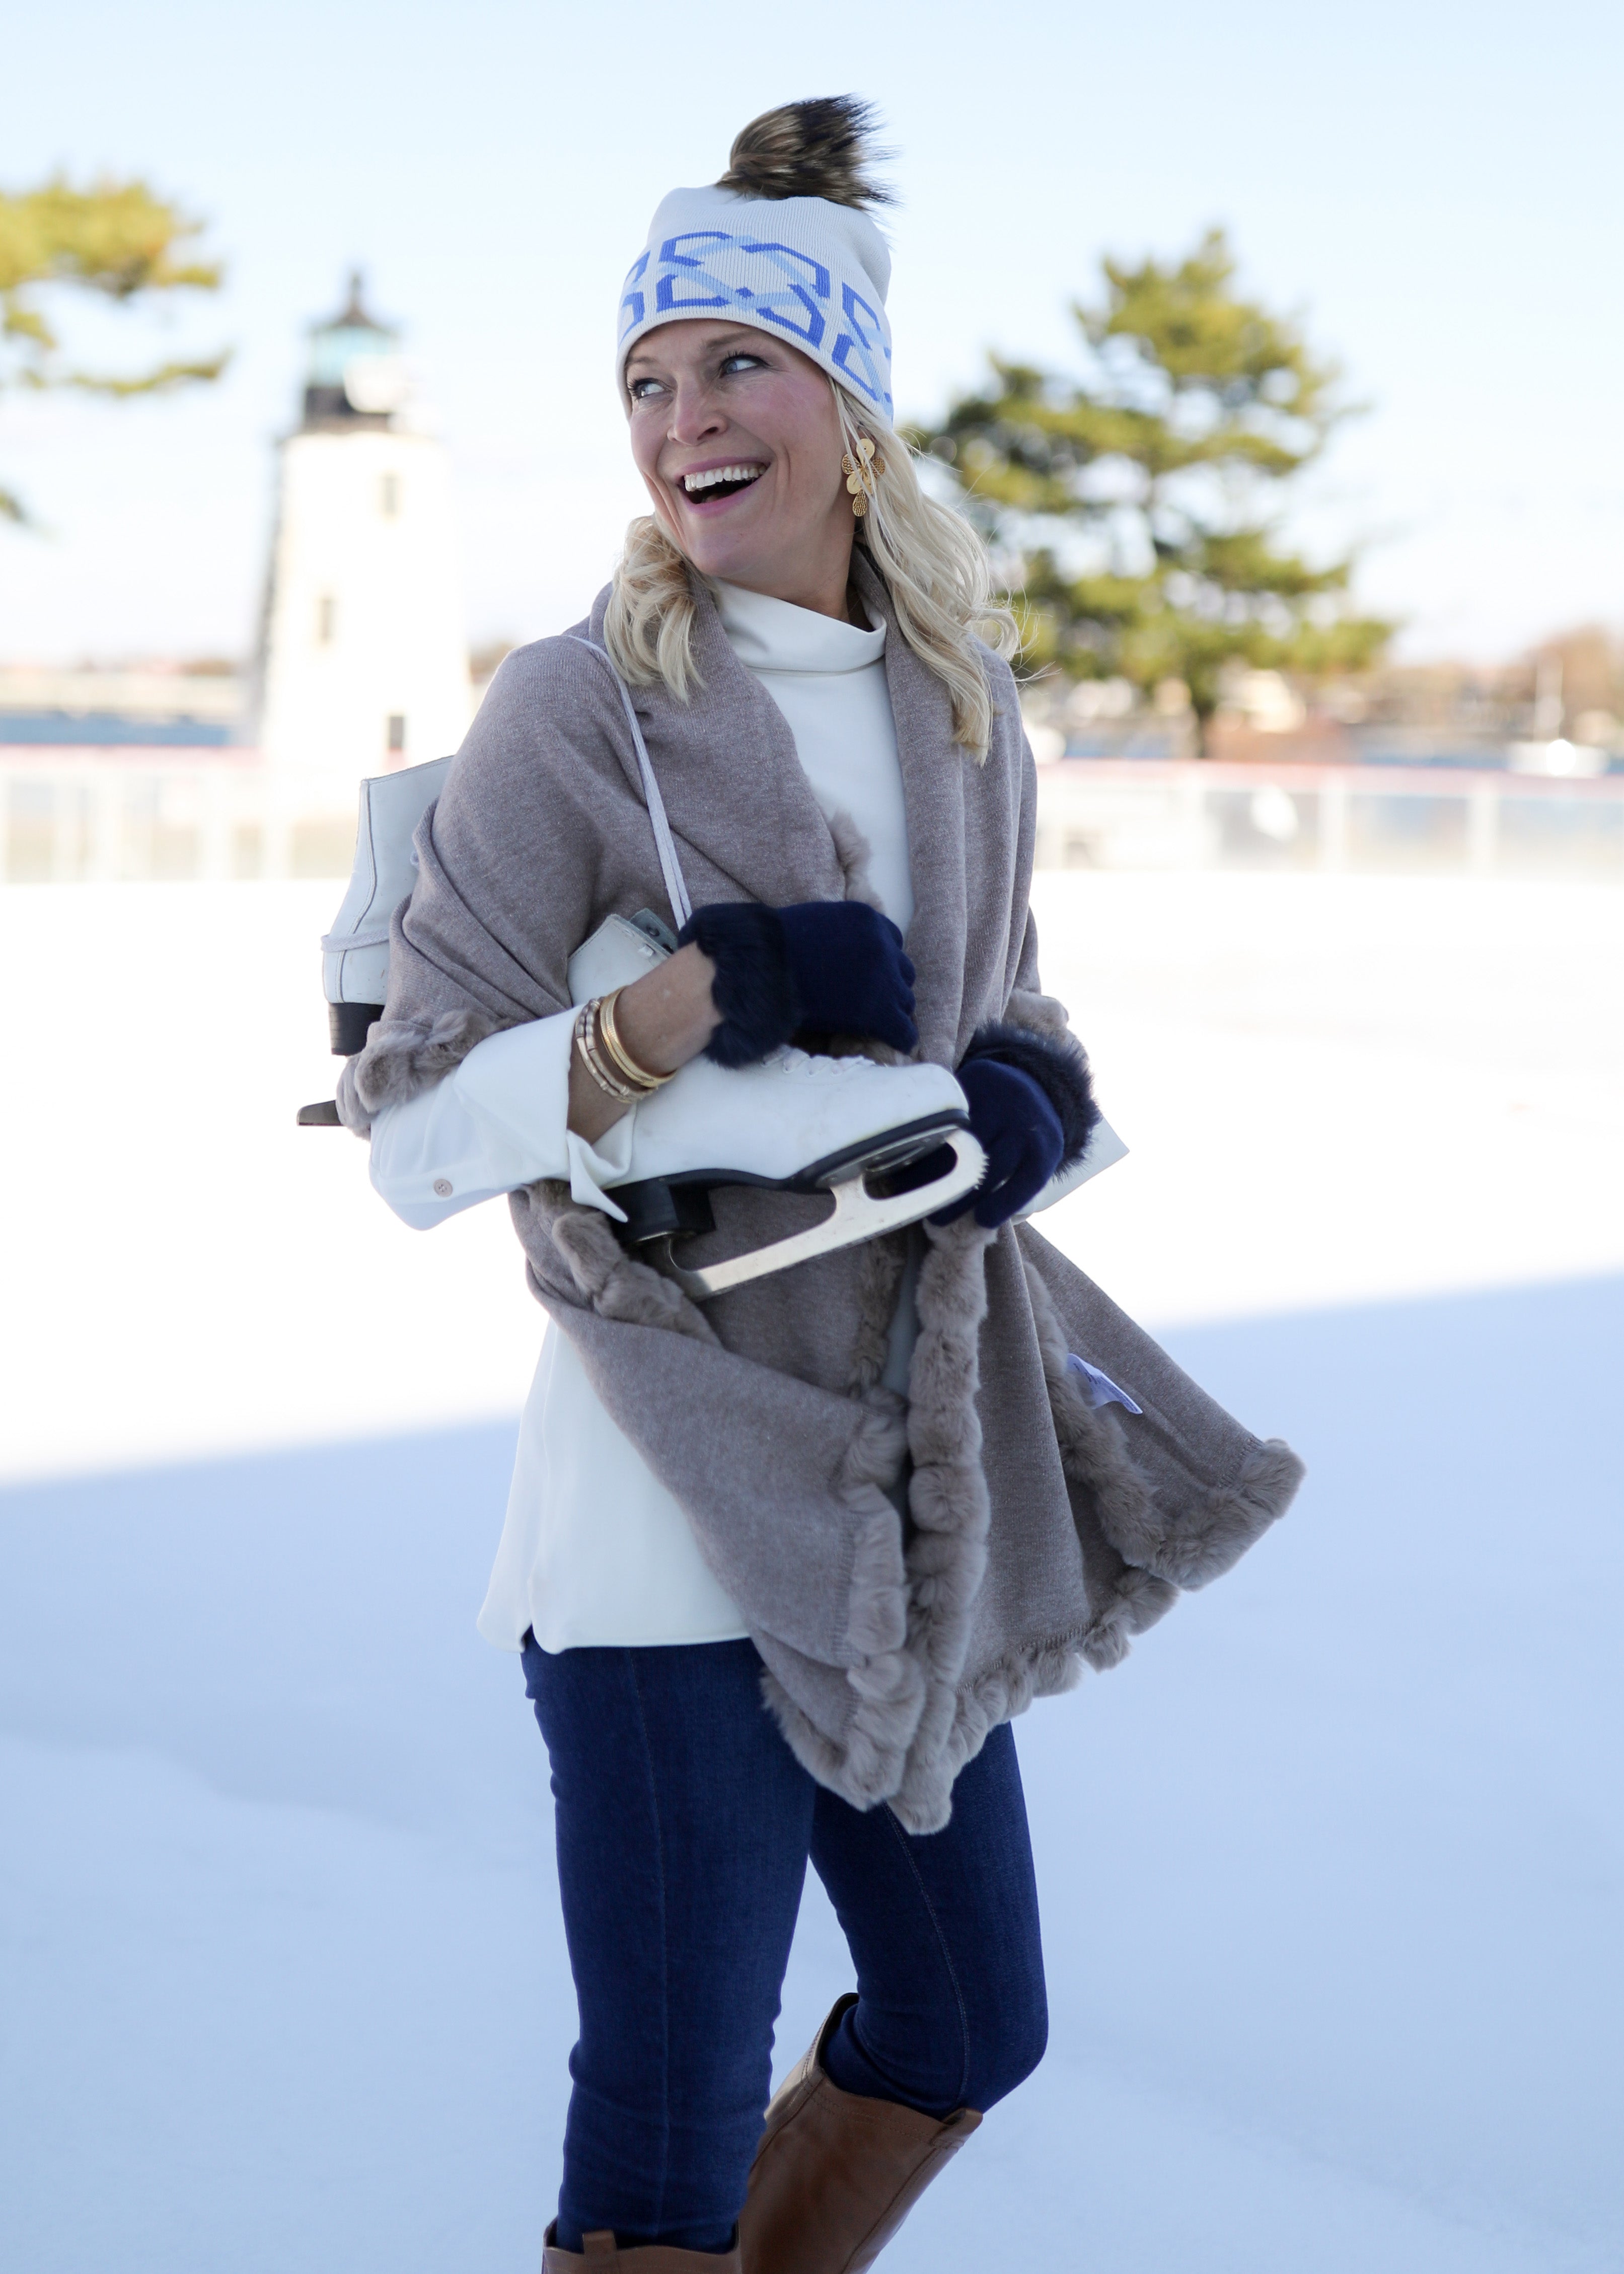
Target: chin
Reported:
point(716, 553)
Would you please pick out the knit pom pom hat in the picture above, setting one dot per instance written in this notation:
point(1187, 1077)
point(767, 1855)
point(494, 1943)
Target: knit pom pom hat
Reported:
point(782, 242)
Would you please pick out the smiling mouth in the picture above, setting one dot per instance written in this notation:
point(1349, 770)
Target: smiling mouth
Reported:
point(720, 482)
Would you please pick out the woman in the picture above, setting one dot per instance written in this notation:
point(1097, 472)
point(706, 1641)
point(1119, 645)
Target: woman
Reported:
point(782, 1570)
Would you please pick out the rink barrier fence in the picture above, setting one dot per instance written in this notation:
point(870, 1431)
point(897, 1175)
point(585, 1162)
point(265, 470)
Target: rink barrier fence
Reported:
point(72, 816)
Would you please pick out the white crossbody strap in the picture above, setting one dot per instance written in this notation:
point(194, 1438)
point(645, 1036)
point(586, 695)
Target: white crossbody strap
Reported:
point(676, 890)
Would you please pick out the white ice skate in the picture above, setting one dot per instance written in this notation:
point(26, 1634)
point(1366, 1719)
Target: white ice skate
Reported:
point(799, 1125)
point(793, 1123)
point(355, 955)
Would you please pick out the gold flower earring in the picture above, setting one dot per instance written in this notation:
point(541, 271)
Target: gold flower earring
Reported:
point(860, 473)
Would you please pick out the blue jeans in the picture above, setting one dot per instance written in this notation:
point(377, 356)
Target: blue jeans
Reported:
point(684, 1828)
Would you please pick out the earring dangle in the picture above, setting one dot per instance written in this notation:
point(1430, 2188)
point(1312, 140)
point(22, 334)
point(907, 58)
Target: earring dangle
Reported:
point(860, 472)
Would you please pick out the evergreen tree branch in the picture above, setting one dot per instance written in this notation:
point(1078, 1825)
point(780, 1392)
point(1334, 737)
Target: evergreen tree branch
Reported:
point(116, 241)
point(1163, 463)
point(161, 381)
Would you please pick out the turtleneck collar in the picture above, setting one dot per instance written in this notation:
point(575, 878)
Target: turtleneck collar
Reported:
point(769, 635)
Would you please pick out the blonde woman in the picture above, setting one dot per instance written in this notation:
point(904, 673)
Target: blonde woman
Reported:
point(782, 1569)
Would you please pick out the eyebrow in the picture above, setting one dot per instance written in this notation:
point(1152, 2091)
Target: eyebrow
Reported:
point(643, 354)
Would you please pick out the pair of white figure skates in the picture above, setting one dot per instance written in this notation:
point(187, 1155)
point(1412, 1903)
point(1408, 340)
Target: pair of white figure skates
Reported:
point(793, 1123)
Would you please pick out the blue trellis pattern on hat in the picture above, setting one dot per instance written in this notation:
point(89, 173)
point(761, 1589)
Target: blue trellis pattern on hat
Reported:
point(772, 284)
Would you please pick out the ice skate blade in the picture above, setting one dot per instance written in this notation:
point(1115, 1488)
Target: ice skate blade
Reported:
point(858, 1215)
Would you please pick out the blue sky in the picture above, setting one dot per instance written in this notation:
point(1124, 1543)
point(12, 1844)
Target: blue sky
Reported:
point(1436, 188)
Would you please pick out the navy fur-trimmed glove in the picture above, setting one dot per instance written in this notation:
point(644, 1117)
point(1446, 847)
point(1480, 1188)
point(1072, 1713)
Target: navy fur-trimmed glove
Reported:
point(1032, 1110)
point(1018, 1130)
point(751, 988)
point(818, 967)
point(1059, 1066)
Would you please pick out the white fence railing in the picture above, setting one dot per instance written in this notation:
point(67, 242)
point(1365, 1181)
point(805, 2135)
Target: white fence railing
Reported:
point(73, 816)
point(80, 816)
point(1111, 813)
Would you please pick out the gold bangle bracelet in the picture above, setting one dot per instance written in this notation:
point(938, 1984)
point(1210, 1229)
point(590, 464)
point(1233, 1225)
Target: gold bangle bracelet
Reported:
point(586, 1043)
point(609, 1035)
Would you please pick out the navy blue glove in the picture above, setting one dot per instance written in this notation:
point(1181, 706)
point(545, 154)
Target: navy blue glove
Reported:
point(819, 967)
point(751, 985)
point(1058, 1063)
point(1018, 1130)
point(850, 974)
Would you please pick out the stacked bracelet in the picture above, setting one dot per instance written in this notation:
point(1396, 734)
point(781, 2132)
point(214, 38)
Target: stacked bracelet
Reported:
point(606, 1058)
point(625, 1065)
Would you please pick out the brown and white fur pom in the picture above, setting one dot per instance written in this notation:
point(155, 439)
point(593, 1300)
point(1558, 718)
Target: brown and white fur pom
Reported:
point(816, 149)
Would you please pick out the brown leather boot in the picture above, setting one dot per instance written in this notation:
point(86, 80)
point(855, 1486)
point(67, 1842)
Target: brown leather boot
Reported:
point(604, 2256)
point(836, 2175)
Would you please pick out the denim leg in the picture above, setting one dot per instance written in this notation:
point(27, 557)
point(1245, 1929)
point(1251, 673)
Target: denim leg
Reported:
point(944, 1931)
point(683, 1821)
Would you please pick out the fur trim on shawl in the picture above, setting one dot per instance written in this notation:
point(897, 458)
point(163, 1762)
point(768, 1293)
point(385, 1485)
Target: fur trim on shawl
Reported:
point(1045, 1014)
point(854, 854)
point(903, 1725)
point(1123, 1599)
point(613, 1283)
point(1134, 1573)
point(1159, 1558)
point(949, 1502)
point(404, 1056)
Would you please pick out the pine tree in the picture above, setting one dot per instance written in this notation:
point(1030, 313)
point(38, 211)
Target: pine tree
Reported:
point(1142, 499)
point(117, 240)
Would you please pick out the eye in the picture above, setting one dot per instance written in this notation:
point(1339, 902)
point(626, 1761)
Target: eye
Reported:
point(640, 389)
point(741, 361)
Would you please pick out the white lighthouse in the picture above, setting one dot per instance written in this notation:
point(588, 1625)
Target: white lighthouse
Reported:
point(363, 659)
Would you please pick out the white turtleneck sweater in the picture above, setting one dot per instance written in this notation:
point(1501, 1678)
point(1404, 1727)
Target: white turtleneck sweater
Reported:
point(595, 1550)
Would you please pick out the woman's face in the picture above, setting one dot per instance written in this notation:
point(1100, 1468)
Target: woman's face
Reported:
point(736, 436)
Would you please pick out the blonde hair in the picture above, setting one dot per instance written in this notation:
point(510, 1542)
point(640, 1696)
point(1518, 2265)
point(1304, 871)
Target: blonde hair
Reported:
point(933, 565)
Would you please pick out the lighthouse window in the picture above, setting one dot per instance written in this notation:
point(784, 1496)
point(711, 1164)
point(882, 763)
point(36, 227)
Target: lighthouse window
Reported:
point(397, 731)
point(390, 495)
point(327, 620)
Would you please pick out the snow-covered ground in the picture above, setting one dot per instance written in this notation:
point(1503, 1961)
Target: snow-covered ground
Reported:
point(1331, 1868)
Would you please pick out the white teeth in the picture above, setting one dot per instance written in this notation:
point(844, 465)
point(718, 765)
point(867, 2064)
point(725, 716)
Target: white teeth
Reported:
point(694, 483)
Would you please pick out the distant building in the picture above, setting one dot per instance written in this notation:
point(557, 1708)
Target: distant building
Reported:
point(196, 707)
point(363, 662)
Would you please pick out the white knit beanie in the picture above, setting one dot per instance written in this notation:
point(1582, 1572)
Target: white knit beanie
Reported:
point(813, 270)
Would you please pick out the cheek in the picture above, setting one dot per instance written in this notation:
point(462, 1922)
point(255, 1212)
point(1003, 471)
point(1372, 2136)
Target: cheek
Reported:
point(646, 436)
point(795, 417)
point(819, 451)
point(812, 461)
point(824, 481)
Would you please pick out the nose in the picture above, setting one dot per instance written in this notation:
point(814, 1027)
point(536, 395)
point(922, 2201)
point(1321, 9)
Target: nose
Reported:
point(696, 414)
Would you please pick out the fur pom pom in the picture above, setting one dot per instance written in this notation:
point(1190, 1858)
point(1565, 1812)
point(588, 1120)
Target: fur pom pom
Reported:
point(1059, 1066)
point(404, 1056)
point(816, 149)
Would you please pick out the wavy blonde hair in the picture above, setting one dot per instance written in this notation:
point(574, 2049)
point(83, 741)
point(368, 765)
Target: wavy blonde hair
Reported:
point(933, 565)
